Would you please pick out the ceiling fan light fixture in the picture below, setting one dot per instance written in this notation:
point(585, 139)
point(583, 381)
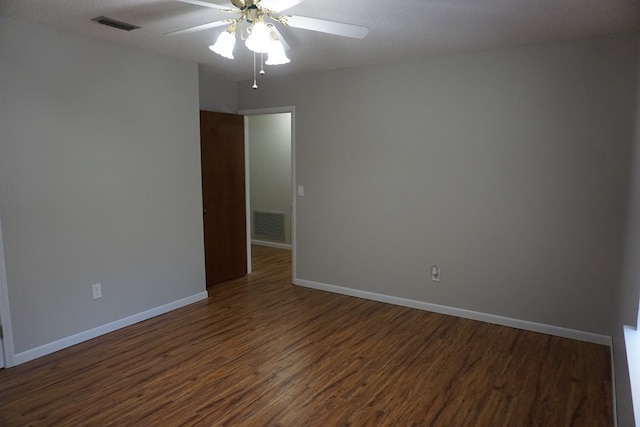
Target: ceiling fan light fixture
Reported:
point(264, 37)
point(277, 56)
point(225, 43)
point(259, 38)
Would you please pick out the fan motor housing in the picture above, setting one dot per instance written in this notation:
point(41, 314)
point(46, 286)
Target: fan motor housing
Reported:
point(242, 4)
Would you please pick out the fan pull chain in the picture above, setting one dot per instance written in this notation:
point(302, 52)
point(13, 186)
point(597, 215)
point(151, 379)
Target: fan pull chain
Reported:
point(255, 84)
point(261, 64)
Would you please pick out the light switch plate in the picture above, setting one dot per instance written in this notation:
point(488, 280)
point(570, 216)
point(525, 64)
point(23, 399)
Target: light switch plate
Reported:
point(96, 290)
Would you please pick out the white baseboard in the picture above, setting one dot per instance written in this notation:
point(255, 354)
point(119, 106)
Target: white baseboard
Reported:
point(60, 344)
point(459, 312)
point(271, 244)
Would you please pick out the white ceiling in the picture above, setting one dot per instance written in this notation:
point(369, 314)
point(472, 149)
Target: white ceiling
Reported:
point(399, 29)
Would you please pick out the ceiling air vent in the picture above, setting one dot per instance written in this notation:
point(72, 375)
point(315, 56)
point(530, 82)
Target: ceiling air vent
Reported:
point(115, 24)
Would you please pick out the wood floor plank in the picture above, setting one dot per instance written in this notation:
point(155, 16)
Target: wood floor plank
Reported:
point(262, 352)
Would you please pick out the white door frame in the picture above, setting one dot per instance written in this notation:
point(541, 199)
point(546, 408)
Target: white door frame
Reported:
point(5, 314)
point(257, 112)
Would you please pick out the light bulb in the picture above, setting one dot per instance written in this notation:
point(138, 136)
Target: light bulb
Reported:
point(224, 45)
point(277, 56)
point(260, 38)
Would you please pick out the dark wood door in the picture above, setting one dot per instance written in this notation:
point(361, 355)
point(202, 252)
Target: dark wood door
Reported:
point(223, 196)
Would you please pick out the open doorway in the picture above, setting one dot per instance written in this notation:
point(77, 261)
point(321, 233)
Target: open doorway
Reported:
point(270, 201)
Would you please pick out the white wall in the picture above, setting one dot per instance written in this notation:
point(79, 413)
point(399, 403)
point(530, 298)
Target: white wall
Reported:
point(509, 169)
point(270, 166)
point(99, 181)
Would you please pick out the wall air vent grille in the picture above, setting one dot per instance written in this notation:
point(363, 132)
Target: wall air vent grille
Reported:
point(269, 225)
point(115, 24)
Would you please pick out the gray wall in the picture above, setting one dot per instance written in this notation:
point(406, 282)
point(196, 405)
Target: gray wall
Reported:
point(509, 169)
point(217, 94)
point(99, 181)
point(270, 166)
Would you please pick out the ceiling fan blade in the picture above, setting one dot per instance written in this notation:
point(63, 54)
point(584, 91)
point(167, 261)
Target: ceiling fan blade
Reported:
point(278, 6)
point(282, 40)
point(329, 27)
point(207, 4)
point(201, 27)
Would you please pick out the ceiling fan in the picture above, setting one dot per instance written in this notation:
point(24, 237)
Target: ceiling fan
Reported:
point(257, 25)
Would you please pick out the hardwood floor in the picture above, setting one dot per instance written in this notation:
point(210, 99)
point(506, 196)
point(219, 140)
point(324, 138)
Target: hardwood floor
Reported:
point(261, 352)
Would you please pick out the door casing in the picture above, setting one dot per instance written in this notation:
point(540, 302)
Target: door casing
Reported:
point(5, 316)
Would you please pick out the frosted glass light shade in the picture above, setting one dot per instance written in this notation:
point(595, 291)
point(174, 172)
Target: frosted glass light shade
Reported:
point(224, 45)
point(260, 38)
point(277, 56)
